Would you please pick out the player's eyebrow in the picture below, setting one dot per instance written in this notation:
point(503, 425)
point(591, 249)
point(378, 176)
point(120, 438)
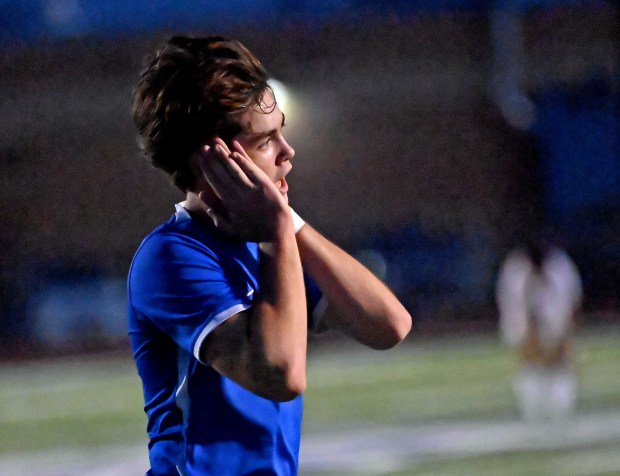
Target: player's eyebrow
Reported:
point(270, 132)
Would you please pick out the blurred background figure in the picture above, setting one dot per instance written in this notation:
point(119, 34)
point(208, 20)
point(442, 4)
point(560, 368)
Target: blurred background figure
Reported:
point(538, 294)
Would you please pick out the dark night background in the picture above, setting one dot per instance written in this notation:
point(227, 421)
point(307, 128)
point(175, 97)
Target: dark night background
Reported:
point(431, 138)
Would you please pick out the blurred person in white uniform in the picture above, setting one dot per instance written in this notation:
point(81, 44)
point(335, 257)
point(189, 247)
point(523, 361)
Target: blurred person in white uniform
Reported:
point(538, 294)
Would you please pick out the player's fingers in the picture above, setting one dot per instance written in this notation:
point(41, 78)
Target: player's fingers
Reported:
point(236, 147)
point(254, 173)
point(226, 152)
point(221, 171)
point(217, 141)
point(236, 173)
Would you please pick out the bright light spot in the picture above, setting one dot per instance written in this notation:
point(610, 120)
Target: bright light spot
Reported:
point(291, 103)
point(283, 96)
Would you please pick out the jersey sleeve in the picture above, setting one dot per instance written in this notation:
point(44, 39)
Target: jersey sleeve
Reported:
point(181, 287)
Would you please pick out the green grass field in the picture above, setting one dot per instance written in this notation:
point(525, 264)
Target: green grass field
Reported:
point(444, 379)
point(95, 401)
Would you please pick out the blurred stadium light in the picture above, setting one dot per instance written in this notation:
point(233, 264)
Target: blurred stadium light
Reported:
point(283, 96)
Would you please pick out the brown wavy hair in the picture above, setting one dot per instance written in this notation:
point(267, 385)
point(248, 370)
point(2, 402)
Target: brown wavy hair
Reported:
point(190, 92)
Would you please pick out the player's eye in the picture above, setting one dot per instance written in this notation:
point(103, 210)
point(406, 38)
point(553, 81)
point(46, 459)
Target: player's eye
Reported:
point(265, 143)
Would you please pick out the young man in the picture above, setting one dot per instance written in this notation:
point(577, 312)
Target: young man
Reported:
point(222, 295)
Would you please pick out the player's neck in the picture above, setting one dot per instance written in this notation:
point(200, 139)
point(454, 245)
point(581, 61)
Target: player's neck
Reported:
point(195, 205)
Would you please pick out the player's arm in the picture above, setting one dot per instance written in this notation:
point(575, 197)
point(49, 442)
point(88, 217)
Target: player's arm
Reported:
point(361, 306)
point(263, 348)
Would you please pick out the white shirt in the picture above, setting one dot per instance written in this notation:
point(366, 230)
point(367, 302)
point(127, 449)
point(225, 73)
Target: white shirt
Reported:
point(547, 298)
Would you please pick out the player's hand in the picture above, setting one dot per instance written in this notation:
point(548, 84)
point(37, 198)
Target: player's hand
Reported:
point(245, 203)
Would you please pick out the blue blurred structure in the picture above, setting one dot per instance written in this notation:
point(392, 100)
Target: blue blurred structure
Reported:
point(34, 20)
point(578, 131)
point(80, 313)
point(579, 135)
point(433, 274)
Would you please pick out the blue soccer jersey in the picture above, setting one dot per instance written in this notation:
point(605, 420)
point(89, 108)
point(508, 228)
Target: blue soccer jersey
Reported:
point(185, 279)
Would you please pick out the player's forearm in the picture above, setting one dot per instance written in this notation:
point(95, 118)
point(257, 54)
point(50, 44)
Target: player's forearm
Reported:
point(279, 327)
point(366, 309)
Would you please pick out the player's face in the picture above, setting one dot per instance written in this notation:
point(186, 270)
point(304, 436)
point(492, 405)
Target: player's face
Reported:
point(264, 142)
